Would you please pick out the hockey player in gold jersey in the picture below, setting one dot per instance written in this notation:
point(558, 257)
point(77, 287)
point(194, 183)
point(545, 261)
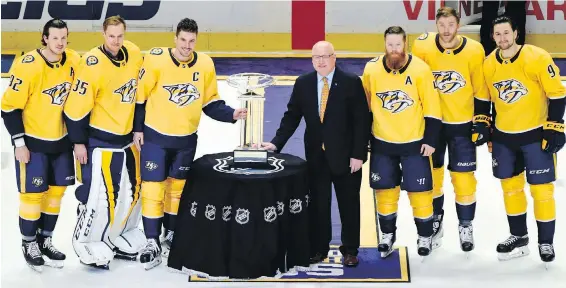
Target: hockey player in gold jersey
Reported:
point(99, 114)
point(32, 108)
point(406, 123)
point(456, 62)
point(528, 131)
point(175, 86)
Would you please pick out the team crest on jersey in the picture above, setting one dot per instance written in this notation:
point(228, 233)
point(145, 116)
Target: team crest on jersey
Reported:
point(91, 60)
point(128, 91)
point(37, 181)
point(395, 101)
point(156, 51)
point(28, 59)
point(448, 82)
point(510, 91)
point(182, 94)
point(423, 36)
point(58, 93)
point(223, 165)
point(269, 214)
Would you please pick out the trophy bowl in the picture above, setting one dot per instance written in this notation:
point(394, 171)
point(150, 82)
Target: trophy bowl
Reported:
point(251, 93)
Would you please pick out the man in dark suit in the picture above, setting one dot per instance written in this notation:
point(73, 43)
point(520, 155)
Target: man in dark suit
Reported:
point(337, 118)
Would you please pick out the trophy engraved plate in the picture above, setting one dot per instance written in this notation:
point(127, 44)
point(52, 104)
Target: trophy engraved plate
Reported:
point(251, 93)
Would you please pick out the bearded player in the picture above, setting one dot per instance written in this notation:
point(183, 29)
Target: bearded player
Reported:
point(99, 114)
point(456, 63)
point(529, 99)
point(32, 109)
point(400, 89)
point(175, 86)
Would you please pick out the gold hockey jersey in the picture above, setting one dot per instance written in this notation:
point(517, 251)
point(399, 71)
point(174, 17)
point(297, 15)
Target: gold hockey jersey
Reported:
point(103, 95)
point(175, 94)
point(520, 88)
point(33, 102)
point(458, 74)
point(400, 100)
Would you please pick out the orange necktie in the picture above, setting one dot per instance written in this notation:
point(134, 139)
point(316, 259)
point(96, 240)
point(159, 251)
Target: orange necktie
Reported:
point(323, 100)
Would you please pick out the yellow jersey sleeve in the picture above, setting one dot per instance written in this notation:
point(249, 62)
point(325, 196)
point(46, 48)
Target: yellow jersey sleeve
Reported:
point(549, 77)
point(428, 94)
point(366, 79)
point(210, 83)
point(81, 99)
point(419, 47)
point(477, 75)
point(147, 80)
point(23, 74)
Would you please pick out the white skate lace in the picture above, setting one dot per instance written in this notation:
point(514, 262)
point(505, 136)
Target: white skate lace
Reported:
point(425, 241)
point(465, 233)
point(33, 249)
point(546, 249)
point(387, 238)
point(512, 239)
point(169, 236)
point(151, 247)
point(49, 245)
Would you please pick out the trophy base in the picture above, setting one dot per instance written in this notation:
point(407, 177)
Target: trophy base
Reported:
point(250, 158)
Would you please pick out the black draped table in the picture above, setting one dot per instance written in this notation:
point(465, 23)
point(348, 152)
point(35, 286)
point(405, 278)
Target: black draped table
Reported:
point(242, 223)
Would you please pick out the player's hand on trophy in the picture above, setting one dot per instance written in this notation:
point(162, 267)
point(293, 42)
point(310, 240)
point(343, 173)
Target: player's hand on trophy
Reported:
point(268, 146)
point(80, 153)
point(427, 150)
point(22, 154)
point(240, 113)
point(138, 140)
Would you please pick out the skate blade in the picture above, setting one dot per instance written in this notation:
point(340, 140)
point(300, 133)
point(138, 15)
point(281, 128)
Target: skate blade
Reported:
point(386, 254)
point(127, 257)
point(152, 264)
point(38, 269)
point(54, 263)
point(516, 253)
point(436, 243)
point(102, 266)
point(165, 252)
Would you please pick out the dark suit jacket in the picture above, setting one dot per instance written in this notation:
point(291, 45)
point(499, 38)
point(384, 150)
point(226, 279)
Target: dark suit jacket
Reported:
point(346, 128)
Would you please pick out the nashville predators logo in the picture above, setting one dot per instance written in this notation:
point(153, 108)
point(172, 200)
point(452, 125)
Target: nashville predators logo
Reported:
point(128, 91)
point(58, 93)
point(395, 101)
point(448, 81)
point(510, 91)
point(182, 94)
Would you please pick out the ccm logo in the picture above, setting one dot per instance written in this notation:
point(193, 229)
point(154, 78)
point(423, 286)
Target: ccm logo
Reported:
point(466, 164)
point(540, 171)
point(91, 10)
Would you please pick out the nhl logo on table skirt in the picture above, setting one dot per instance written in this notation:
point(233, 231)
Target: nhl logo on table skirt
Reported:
point(223, 166)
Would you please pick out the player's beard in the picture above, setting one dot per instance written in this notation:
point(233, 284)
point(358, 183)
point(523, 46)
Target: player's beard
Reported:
point(505, 45)
point(448, 38)
point(395, 60)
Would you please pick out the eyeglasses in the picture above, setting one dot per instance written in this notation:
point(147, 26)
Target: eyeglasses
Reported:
point(321, 57)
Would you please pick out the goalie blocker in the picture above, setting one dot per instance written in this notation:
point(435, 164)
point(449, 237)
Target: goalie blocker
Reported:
point(110, 209)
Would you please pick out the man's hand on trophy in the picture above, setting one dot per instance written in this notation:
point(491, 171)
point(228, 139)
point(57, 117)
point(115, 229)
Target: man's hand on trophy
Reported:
point(240, 113)
point(268, 146)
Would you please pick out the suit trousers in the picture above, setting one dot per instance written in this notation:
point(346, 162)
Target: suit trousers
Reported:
point(347, 189)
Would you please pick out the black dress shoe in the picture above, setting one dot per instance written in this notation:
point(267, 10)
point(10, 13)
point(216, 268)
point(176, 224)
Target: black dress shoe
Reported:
point(318, 258)
point(351, 261)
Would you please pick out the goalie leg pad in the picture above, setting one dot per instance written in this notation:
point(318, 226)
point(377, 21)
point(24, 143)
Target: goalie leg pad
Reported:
point(99, 219)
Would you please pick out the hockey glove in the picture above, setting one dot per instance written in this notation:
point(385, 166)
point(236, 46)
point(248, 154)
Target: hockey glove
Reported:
point(553, 138)
point(480, 130)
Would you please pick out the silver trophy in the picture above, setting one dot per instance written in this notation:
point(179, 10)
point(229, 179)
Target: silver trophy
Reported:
point(251, 91)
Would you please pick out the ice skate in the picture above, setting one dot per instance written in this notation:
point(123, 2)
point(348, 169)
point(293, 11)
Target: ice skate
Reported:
point(424, 246)
point(32, 255)
point(385, 246)
point(52, 257)
point(437, 231)
point(466, 238)
point(546, 252)
point(513, 247)
point(150, 256)
point(166, 242)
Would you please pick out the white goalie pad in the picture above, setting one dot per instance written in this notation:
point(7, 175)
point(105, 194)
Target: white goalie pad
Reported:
point(108, 221)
